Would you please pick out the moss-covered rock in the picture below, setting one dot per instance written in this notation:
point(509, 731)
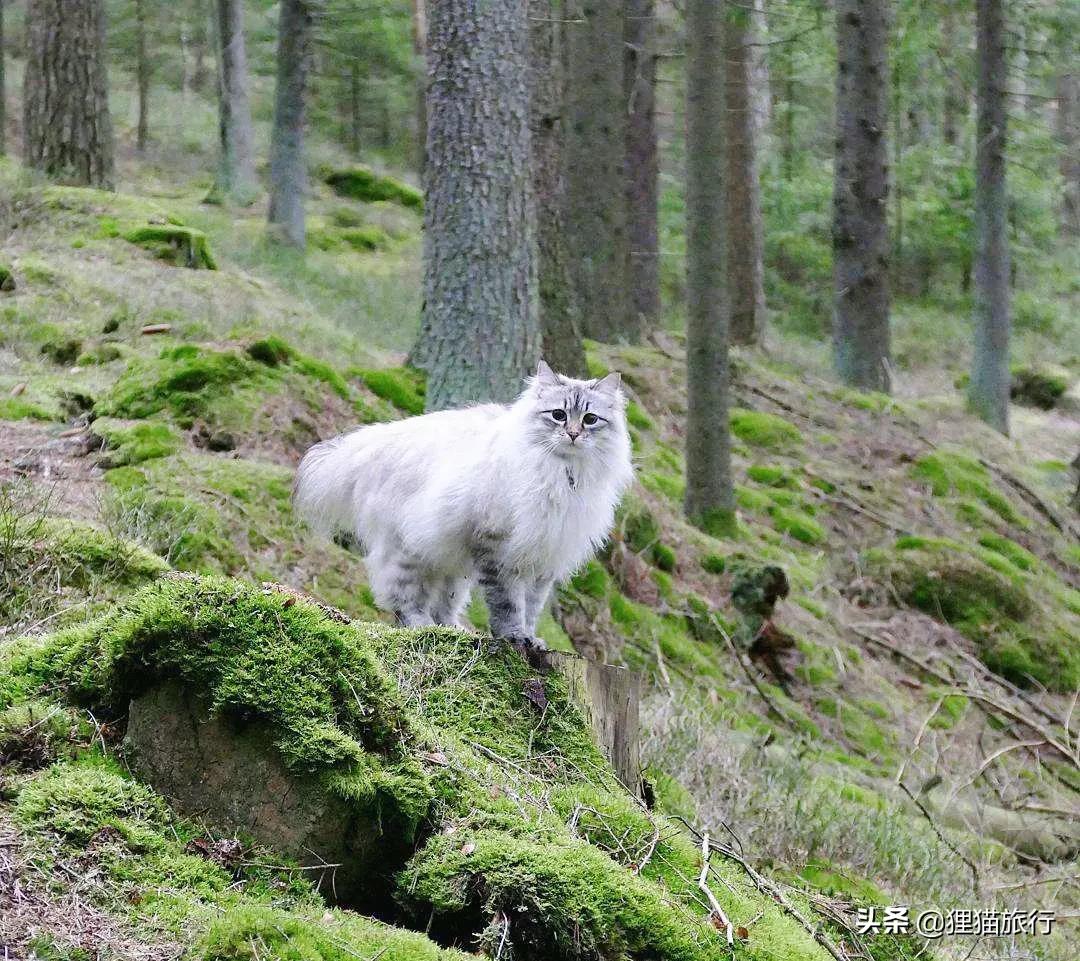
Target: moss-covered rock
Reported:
point(362, 183)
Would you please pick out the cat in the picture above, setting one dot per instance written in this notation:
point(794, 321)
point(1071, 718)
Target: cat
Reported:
point(511, 497)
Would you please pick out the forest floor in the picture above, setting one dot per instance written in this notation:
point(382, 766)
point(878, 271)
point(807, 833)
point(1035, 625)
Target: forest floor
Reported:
point(903, 731)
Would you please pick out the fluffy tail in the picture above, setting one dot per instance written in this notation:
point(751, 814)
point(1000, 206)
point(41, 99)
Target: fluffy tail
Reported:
point(322, 491)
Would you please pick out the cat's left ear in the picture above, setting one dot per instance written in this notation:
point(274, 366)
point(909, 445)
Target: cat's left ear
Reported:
point(545, 376)
point(609, 384)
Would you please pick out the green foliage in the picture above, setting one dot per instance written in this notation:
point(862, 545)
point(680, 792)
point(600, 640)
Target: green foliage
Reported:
point(133, 443)
point(770, 476)
point(592, 580)
point(664, 557)
point(714, 563)
point(404, 387)
point(362, 183)
point(761, 429)
point(63, 352)
point(798, 524)
point(636, 417)
point(1042, 386)
point(369, 237)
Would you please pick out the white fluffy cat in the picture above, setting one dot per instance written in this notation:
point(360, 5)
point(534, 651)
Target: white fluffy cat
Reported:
point(512, 497)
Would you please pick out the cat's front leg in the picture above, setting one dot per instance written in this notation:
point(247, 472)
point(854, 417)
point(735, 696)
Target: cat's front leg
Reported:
point(536, 595)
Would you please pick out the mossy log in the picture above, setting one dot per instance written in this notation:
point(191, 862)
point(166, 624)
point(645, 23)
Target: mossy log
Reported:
point(191, 247)
point(362, 183)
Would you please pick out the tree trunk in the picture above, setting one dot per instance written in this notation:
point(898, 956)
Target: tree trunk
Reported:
point(142, 76)
point(67, 130)
point(198, 46)
point(3, 87)
point(236, 169)
point(955, 100)
point(419, 35)
point(745, 248)
point(354, 107)
point(860, 192)
point(596, 215)
point(288, 176)
point(642, 162)
point(988, 392)
point(1068, 135)
point(479, 334)
point(710, 501)
point(760, 82)
point(560, 334)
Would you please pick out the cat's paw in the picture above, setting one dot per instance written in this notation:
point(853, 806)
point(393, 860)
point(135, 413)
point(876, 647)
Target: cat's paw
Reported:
point(525, 644)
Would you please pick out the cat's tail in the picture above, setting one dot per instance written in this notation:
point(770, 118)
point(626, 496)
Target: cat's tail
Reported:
point(322, 491)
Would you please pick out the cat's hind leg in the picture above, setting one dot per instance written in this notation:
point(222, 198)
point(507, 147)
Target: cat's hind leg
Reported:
point(536, 595)
point(451, 599)
point(401, 583)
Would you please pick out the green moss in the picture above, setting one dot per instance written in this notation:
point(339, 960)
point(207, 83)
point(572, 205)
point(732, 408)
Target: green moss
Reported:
point(368, 237)
point(271, 351)
point(832, 880)
point(1016, 555)
point(592, 580)
point(130, 444)
point(672, 486)
point(7, 279)
point(770, 476)
point(751, 499)
point(797, 524)
point(362, 183)
point(15, 408)
point(640, 528)
point(809, 604)
point(636, 417)
point(265, 934)
point(950, 472)
point(714, 563)
point(760, 429)
point(1041, 386)
point(63, 352)
point(664, 557)
point(185, 246)
point(404, 387)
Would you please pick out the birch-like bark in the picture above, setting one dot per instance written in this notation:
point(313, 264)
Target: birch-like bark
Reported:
point(236, 166)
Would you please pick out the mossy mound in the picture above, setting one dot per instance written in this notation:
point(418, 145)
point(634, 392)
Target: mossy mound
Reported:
point(404, 387)
point(521, 827)
point(991, 600)
point(129, 443)
point(7, 279)
point(950, 472)
point(362, 183)
point(184, 246)
point(1039, 386)
point(764, 430)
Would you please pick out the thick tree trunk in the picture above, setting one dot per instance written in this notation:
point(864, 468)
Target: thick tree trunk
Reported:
point(288, 175)
point(642, 161)
point(745, 247)
point(1068, 135)
point(236, 169)
point(760, 82)
point(860, 192)
point(988, 393)
point(3, 86)
point(560, 334)
point(198, 46)
point(67, 130)
point(142, 77)
point(596, 216)
point(479, 335)
point(710, 501)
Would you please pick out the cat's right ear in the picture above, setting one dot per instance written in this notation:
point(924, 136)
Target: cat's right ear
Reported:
point(546, 376)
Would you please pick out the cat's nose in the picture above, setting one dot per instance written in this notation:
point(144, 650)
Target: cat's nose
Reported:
point(573, 433)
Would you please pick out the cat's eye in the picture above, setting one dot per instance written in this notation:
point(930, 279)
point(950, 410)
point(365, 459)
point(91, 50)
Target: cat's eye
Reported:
point(589, 419)
point(558, 415)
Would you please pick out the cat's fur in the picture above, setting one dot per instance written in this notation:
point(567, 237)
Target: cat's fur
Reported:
point(513, 498)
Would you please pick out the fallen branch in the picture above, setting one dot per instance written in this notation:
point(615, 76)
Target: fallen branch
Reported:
point(718, 911)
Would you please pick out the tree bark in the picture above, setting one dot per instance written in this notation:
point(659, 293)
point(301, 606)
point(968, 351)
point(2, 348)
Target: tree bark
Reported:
point(560, 335)
point(198, 46)
point(642, 162)
point(288, 175)
point(67, 130)
point(354, 107)
point(596, 215)
point(955, 100)
point(3, 87)
point(745, 230)
point(710, 501)
point(419, 35)
point(988, 392)
point(236, 169)
point(142, 77)
point(860, 192)
point(479, 333)
point(1068, 135)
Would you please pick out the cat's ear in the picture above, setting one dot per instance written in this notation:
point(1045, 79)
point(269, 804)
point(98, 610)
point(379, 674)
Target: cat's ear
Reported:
point(545, 376)
point(609, 384)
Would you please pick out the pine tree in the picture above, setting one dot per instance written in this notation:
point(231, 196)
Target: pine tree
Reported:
point(67, 130)
point(596, 214)
point(745, 249)
point(642, 162)
point(3, 86)
point(710, 501)
point(142, 76)
point(479, 333)
point(860, 222)
point(560, 333)
point(288, 174)
point(988, 392)
point(236, 167)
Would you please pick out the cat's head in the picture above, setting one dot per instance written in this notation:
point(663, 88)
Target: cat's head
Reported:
point(575, 417)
